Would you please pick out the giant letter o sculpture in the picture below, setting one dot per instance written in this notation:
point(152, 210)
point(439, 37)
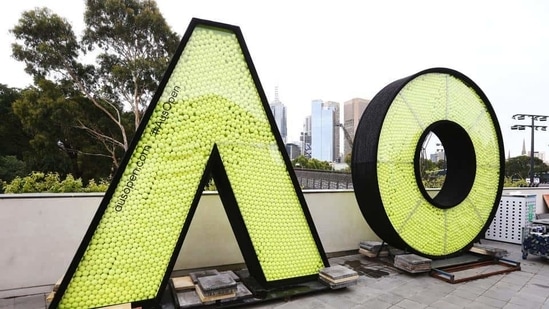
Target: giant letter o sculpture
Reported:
point(386, 155)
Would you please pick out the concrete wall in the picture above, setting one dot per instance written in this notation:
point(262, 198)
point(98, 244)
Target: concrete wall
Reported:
point(39, 233)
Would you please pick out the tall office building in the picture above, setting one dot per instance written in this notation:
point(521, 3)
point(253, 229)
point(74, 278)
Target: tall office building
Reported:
point(279, 112)
point(293, 150)
point(324, 131)
point(305, 138)
point(352, 112)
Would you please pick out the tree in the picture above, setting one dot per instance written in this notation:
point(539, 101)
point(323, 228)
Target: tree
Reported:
point(52, 118)
point(441, 164)
point(426, 166)
point(132, 44)
point(520, 166)
point(347, 159)
point(13, 140)
point(314, 164)
point(135, 45)
point(11, 167)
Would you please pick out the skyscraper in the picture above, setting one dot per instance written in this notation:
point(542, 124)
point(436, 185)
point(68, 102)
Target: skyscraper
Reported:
point(279, 112)
point(324, 130)
point(306, 138)
point(352, 112)
point(293, 150)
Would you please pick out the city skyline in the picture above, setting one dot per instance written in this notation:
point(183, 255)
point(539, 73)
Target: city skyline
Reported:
point(500, 45)
point(324, 131)
point(280, 116)
point(352, 112)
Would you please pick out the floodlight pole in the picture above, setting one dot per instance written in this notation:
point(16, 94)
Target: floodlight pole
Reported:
point(532, 153)
point(532, 127)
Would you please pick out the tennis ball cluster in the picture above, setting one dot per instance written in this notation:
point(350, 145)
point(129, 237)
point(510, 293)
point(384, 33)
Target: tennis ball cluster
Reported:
point(210, 98)
point(424, 100)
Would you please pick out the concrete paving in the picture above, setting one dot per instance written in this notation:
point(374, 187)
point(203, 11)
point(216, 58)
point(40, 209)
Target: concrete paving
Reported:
point(380, 285)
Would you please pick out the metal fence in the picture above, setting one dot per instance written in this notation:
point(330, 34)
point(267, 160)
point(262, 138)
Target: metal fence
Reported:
point(323, 180)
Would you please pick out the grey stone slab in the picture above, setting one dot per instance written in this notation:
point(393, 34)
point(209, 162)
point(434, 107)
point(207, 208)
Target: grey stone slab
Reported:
point(335, 299)
point(413, 259)
point(187, 299)
point(242, 291)
point(202, 273)
point(481, 285)
point(490, 301)
point(340, 285)
point(374, 304)
point(217, 282)
point(499, 293)
point(362, 294)
point(457, 300)
point(6, 303)
point(371, 245)
point(337, 272)
point(441, 287)
point(444, 304)
point(489, 250)
point(465, 294)
point(232, 274)
point(312, 304)
point(513, 306)
point(510, 286)
point(535, 289)
point(479, 305)
point(410, 304)
point(528, 295)
point(391, 298)
point(540, 280)
point(518, 277)
point(425, 297)
point(30, 302)
point(526, 302)
point(521, 281)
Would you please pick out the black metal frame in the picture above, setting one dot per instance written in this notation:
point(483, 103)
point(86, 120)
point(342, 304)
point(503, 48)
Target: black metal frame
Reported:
point(461, 164)
point(215, 168)
point(364, 160)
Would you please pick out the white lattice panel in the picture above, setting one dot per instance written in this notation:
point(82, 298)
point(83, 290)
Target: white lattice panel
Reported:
point(513, 213)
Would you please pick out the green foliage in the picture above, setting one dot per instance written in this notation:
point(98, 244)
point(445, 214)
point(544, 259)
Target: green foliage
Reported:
point(135, 45)
point(132, 45)
point(348, 158)
point(210, 185)
point(520, 167)
point(313, 164)
point(11, 167)
point(49, 42)
point(37, 182)
point(92, 186)
point(13, 140)
point(509, 182)
point(49, 116)
point(433, 182)
point(426, 166)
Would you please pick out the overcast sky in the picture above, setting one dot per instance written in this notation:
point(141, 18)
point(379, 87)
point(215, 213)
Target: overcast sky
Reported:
point(338, 50)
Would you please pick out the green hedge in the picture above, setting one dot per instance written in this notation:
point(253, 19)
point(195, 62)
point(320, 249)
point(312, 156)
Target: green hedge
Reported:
point(37, 182)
